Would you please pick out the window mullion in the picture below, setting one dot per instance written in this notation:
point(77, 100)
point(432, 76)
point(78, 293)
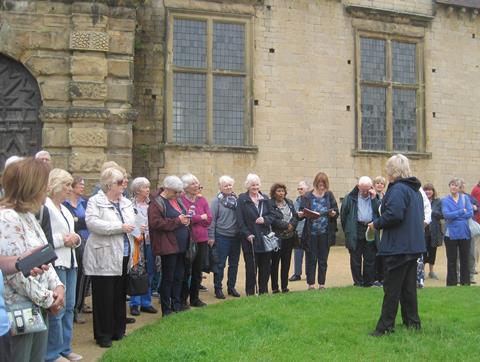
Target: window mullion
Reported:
point(209, 119)
point(389, 100)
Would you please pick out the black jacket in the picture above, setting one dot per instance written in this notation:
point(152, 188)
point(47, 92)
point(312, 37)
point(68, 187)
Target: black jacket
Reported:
point(247, 213)
point(281, 226)
point(401, 219)
point(306, 202)
point(435, 228)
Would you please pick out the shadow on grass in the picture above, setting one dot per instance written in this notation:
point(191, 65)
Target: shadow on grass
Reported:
point(314, 325)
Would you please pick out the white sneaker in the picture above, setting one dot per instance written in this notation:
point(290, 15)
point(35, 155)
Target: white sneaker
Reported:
point(72, 356)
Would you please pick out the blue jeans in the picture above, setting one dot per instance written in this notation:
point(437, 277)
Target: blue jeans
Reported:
point(298, 258)
point(146, 299)
point(61, 325)
point(227, 246)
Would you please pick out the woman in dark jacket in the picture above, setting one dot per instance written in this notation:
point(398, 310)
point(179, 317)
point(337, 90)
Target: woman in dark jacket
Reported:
point(402, 243)
point(169, 236)
point(433, 231)
point(255, 217)
point(285, 231)
point(319, 231)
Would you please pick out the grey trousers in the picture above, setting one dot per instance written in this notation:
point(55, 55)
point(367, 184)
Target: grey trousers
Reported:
point(30, 347)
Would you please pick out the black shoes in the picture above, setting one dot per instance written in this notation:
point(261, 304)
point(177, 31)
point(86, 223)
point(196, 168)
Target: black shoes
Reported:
point(203, 288)
point(275, 291)
point(377, 333)
point(285, 290)
point(130, 320)
point(219, 294)
point(105, 343)
point(149, 309)
point(134, 311)
point(198, 303)
point(233, 292)
point(295, 278)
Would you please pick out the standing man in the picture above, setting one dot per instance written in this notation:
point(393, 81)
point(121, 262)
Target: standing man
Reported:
point(44, 156)
point(358, 209)
point(302, 188)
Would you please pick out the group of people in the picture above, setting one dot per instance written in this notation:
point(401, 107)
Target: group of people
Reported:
point(175, 234)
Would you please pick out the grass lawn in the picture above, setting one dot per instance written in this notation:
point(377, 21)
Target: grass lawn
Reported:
point(314, 325)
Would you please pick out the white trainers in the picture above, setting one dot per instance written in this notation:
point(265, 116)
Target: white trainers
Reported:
point(72, 356)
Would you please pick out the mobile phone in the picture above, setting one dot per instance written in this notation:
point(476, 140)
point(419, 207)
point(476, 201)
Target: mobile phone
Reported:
point(43, 256)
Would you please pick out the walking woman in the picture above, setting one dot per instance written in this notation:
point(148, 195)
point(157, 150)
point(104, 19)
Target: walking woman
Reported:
point(255, 218)
point(285, 231)
point(319, 231)
point(457, 209)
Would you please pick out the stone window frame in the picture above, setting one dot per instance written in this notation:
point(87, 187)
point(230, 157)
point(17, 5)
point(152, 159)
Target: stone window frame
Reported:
point(210, 18)
point(377, 32)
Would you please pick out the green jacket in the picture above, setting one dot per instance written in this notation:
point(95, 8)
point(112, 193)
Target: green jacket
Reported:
point(348, 217)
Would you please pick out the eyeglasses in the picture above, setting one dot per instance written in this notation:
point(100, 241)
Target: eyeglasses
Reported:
point(120, 183)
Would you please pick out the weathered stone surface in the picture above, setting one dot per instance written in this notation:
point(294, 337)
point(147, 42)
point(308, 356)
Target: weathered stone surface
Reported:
point(88, 137)
point(89, 40)
point(122, 24)
point(87, 162)
point(91, 66)
point(86, 114)
point(53, 40)
point(120, 68)
point(51, 114)
point(87, 90)
point(121, 42)
point(120, 92)
point(120, 138)
point(55, 135)
point(90, 22)
point(48, 65)
point(54, 89)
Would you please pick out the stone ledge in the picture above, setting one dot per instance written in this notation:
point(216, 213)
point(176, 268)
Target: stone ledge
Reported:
point(209, 148)
point(410, 155)
point(390, 16)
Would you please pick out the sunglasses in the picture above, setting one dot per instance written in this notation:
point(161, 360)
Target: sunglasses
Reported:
point(120, 183)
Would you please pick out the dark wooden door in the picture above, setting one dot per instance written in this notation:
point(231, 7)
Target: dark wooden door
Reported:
point(20, 101)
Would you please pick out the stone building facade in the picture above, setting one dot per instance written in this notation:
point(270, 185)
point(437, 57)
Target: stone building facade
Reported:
point(282, 88)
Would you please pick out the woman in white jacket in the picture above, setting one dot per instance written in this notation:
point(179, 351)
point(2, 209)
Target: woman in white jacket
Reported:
point(108, 253)
point(65, 240)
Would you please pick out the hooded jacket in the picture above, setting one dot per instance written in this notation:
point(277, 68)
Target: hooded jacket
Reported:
point(402, 219)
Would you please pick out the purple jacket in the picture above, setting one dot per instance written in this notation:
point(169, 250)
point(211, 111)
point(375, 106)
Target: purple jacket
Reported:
point(199, 226)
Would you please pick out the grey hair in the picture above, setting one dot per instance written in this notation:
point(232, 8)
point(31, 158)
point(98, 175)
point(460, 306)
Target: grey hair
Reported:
point(251, 178)
point(365, 180)
point(398, 166)
point(138, 183)
point(304, 183)
point(42, 153)
point(109, 176)
point(12, 159)
point(455, 181)
point(225, 179)
point(189, 179)
point(173, 182)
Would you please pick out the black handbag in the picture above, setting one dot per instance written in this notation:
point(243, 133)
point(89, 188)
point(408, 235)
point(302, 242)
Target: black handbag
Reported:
point(191, 252)
point(137, 281)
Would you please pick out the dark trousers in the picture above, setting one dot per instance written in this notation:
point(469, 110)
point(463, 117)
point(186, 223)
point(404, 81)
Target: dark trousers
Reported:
point(282, 257)
point(400, 285)
point(83, 282)
point(173, 273)
point(227, 246)
point(196, 274)
point(109, 305)
point(317, 253)
point(257, 265)
point(431, 254)
point(462, 249)
point(379, 268)
point(5, 348)
point(362, 259)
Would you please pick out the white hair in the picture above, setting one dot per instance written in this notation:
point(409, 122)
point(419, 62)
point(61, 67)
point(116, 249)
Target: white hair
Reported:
point(225, 179)
point(189, 179)
point(12, 159)
point(365, 180)
point(398, 167)
point(304, 183)
point(138, 183)
point(110, 176)
point(173, 182)
point(251, 179)
point(56, 179)
point(42, 153)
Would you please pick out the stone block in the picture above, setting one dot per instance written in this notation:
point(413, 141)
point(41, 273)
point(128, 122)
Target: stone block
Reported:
point(48, 65)
point(121, 42)
point(120, 92)
point(89, 40)
point(89, 21)
point(119, 138)
point(92, 66)
point(51, 40)
point(55, 20)
point(88, 137)
point(87, 161)
point(55, 135)
point(54, 89)
point(87, 90)
point(121, 24)
point(124, 160)
point(120, 68)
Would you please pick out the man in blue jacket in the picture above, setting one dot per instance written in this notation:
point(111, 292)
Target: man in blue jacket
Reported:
point(402, 242)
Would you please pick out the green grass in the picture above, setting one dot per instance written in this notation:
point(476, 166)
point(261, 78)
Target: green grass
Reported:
point(305, 326)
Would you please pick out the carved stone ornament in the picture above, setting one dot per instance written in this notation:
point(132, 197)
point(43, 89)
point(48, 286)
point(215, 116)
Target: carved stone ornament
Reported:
point(89, 40)
point(88, 90)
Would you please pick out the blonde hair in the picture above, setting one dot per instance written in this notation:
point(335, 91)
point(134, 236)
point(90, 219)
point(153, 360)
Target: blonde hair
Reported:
point(110, 176)
point(25, 185)
point(379, 180)
point(56, 179)
point(398, 166)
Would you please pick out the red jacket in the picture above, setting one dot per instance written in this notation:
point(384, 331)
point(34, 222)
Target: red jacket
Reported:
point(476, 194)
point(162, 229)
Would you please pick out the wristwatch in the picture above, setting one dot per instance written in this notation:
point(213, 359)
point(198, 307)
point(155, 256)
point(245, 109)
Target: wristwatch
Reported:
point(17, 267)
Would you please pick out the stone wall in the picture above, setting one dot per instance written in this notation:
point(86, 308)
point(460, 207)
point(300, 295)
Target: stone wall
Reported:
point(304, 117)
point(81, 54)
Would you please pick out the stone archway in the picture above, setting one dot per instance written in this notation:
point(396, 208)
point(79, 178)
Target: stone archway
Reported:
point(20, 101)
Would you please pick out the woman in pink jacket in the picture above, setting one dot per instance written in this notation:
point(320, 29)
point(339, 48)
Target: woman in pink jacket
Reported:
point(201, 217)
